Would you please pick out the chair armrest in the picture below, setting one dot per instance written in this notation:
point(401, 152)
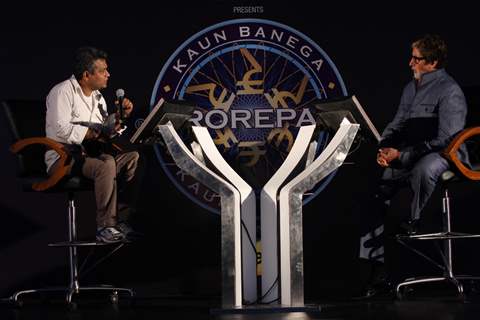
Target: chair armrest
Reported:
point(62, 169)
point(451, 152)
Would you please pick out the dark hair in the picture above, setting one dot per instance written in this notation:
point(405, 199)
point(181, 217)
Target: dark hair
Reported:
point(433, 48)
point(85, 58)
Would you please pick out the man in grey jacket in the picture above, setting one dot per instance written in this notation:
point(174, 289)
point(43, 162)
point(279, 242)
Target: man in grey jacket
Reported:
point(432, 110)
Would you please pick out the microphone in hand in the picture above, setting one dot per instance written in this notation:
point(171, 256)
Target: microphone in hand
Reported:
point(120, 93)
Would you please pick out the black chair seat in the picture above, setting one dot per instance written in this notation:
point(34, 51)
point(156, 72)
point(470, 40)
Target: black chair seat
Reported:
point(70, 184)
point(449, 176)
point(452, 176)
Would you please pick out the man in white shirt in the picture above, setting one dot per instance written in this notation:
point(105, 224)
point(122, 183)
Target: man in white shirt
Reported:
point(78, 100)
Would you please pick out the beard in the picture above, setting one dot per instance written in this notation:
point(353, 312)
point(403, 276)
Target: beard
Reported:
point(417, 75)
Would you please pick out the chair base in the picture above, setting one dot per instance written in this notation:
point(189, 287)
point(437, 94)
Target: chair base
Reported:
point(69, 292)
point(455, 280)
point(445, 266)
point(73, 246)
point(437, 236)
point(87, 243)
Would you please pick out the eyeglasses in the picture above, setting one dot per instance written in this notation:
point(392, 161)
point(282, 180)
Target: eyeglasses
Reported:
point(417, 59)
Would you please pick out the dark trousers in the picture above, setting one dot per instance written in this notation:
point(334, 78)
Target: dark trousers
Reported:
point(421, 179)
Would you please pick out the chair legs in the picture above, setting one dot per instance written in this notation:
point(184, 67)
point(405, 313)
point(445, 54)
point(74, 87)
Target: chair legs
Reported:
point(74, 285)
point(114, 292)
point(447, 263)
point(412, 281)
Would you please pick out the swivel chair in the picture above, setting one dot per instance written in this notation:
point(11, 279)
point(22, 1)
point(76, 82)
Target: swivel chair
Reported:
point(26, 123)
point(458, 173)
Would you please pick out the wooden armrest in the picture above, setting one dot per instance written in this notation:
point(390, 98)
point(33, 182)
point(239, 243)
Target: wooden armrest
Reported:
point(451, 152)
point(64, 163)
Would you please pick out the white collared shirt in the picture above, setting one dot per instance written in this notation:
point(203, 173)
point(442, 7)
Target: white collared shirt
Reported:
point(66, 103)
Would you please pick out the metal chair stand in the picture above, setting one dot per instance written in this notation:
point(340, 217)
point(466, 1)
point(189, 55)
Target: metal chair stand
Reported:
point(446, 264)
point(75, 272)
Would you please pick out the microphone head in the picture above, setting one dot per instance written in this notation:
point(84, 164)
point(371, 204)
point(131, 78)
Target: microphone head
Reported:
point(120, 93)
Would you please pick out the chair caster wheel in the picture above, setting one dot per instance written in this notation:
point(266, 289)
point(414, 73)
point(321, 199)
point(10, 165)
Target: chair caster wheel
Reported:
point(403, 293)
point(114, 297)
point(400, 295)
point(17, 303)
point(72, 306)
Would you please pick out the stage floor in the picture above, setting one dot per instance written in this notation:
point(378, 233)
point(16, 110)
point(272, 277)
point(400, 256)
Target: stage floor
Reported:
point(179, 308)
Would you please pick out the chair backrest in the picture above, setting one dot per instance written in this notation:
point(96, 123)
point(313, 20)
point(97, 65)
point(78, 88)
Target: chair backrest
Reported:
point(472, 95)
point(26, 119)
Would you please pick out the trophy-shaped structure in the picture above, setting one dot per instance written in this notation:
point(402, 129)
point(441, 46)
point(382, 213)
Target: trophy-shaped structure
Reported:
point(280, 198)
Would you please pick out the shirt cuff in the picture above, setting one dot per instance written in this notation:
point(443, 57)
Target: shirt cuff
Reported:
point(78, 134)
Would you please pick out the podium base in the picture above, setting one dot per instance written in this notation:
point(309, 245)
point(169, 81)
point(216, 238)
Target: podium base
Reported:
point(265, 309)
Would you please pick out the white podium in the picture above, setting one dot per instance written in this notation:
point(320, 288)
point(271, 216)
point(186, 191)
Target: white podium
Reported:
point(280, 214)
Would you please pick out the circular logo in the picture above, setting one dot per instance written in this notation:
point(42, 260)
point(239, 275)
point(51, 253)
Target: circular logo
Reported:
point(252, 81)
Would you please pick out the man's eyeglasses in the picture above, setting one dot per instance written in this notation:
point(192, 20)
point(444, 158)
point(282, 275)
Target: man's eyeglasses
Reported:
point(417, 59)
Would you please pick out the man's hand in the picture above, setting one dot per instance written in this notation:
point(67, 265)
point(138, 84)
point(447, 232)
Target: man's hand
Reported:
point(92, 134)
point(381, 160)
point(127, 106)
point(387, 155)
point(118, 126)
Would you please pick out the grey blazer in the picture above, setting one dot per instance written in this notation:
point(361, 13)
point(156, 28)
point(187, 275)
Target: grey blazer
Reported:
point(429, 116)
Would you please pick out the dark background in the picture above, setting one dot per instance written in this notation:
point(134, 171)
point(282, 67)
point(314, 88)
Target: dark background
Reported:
point(180, 254)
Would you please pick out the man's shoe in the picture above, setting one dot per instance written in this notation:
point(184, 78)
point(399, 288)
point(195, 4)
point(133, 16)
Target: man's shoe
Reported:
point(382, 289)
point(128, 231)
point(378, 285)
point(109, 235)
point(375, 241)
point(411, 226)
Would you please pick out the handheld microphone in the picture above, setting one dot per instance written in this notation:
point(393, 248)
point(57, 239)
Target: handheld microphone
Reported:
point(120, 93)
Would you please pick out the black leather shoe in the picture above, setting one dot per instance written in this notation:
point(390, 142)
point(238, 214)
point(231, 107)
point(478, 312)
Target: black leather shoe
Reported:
point(382, 289)
point(411, 226)
point(376, 241)
point(379, 284)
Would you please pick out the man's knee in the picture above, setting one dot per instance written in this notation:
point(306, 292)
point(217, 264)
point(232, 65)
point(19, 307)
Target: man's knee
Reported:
point(108, 166)
point(430, 167)
point(127, 164)
point(132, 159)
point(134, 156)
